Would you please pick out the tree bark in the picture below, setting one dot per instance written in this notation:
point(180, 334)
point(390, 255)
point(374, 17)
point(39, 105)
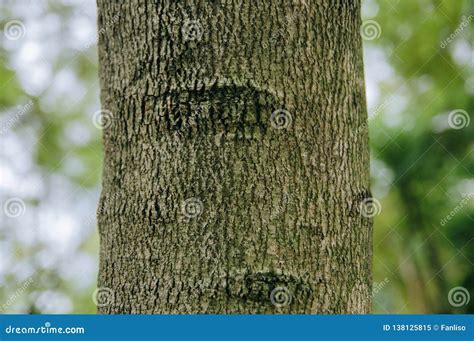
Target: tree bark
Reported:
point(236, 158)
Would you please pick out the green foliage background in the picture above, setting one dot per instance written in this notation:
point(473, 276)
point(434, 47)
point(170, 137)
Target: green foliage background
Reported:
point(50, 155)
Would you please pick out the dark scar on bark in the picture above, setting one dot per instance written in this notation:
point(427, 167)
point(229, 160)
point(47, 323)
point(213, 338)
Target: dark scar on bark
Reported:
point(258, 287)
point(231, 110)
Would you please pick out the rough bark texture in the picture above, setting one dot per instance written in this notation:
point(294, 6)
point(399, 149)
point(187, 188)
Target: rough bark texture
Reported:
point(236, 158)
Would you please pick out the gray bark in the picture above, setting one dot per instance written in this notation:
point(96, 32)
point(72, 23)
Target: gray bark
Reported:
point(236, 158)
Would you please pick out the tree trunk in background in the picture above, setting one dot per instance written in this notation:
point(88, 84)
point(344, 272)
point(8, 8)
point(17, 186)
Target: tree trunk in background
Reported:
point(236, 159)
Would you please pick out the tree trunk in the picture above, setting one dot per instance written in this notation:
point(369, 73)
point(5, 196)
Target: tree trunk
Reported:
point(236, 158)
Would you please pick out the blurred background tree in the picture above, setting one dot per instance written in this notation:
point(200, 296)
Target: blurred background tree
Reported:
point(420, 86)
